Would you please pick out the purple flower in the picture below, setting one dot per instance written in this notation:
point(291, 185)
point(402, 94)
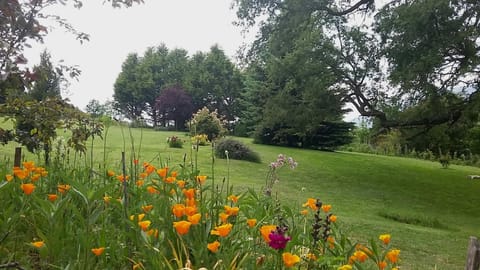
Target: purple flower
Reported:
point(278, 241)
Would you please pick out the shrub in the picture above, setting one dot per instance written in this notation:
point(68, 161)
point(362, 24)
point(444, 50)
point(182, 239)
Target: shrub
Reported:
point(201, 139)
point(235, 150)
point(175, 142)
point(206, 122)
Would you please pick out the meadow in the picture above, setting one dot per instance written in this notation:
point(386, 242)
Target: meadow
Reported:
point(429, 211)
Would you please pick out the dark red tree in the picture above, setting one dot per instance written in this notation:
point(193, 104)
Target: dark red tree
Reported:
point(174, 104)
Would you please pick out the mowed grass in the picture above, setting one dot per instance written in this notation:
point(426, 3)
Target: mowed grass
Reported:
point(429, 211)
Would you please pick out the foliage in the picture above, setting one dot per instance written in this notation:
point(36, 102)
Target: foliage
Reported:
point(175, 142)
point(36, 124)
point(48, 82)
point(231, 149)
point(200, 139)
point(176, 105)
point(65, 221)
point(206, 122)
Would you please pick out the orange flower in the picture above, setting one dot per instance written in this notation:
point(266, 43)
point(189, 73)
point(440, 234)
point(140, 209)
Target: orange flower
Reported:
point(144, 224)
point(190, 202)
point(98, 251)
point(27, 188)
point(143, 175)
point(189, 193)
point(194, 219)
point(201, 179)
point(251, 222)
point(149, 169)
point(110, 173)
point(290, 259)
point(392, 255)
point(9, 177)
point(385, 238)
point(170, 179)
point(331, 241)
point(135, 161)
point(360, 256)
point(191, 210)
point(35, 177)
point(153, 232)
point(265, 230)
point(233, 198)
point(181, 183)
point(137, 266)
point(152, 190)
point(332, 218)
point(178, 210)
point(174, 174)
point(147, 208)
point(162, 172)
point(382, 265)
point(223, 217)
point(311, 256)
point(213, 247)
point(122, 178)
point(222, 230)
point(304, 212)
point(139, 182)
point(63, 188)
point(231, 211)
point(21, 174)
point(52, 197)
point(182, 227)
point(326, 207)
point(312, 203)
point(38, 244)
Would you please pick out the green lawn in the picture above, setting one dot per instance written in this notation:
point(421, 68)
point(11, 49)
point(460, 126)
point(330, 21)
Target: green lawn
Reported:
point(430, 211)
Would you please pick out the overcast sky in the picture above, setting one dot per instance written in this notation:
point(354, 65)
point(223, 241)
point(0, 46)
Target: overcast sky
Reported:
point(194, 25)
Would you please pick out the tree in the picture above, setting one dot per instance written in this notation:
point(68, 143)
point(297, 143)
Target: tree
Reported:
point(23, 23)
point(95, 108)
point(48, 80)
point(176, 105)
point(126, 91)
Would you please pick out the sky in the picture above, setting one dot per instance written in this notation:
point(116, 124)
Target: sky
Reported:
point(193, 25)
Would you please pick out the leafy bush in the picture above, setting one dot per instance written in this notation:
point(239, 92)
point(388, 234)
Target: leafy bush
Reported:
point(200, 139)
point(235, 150)
point(206, 122)
point(175, 142)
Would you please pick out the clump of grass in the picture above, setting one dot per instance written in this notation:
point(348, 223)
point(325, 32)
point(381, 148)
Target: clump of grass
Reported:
point(414, 220)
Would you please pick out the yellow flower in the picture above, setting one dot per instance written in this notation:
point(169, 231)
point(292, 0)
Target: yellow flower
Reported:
point(98, 251)
point(312, 203)
point(9, 177)
point(106, 199)
point(213, 247)
point(222, 230)
point(251, 222)
point(290, 259)
point(144, 225)
point(147, 208)
point(182, 227)
point(345, 267)
point(385, 238)
point(38, 244)
point(392, 255)
point(27, 188)
point(194, 219)
point(266, 230)
point(326, 207)
point(52, 197)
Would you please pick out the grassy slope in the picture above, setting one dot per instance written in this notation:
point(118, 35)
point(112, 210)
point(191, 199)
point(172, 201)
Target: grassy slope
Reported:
point(367, 192)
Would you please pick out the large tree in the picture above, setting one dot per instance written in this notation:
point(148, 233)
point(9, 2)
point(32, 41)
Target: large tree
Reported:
point(176, 105)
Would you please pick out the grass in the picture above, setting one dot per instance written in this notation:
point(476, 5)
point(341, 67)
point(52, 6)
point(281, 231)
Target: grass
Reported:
point(430, 211)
